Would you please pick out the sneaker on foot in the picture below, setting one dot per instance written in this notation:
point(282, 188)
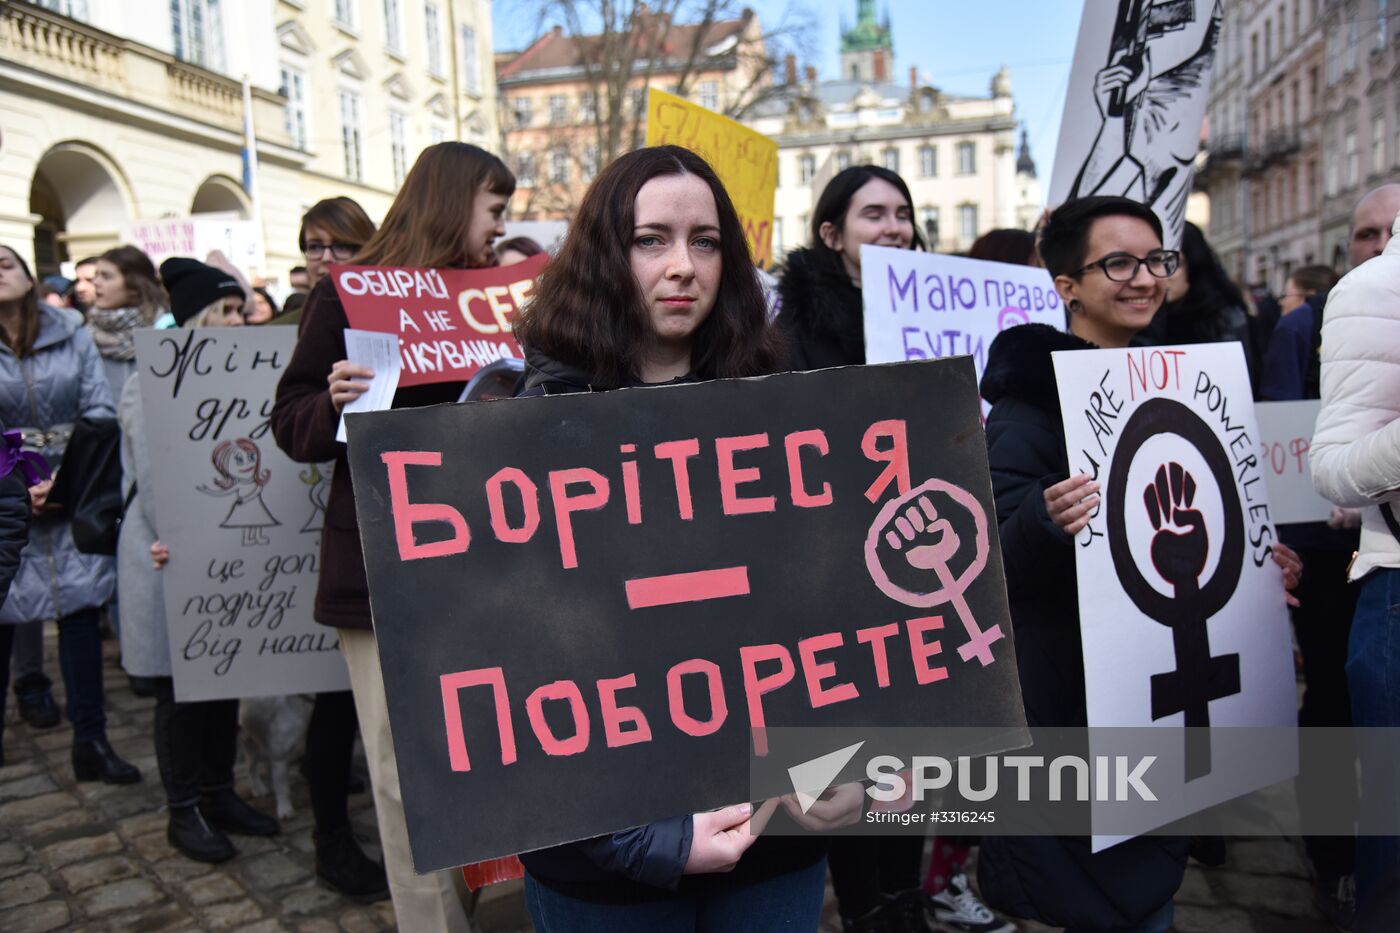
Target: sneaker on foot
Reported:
point(1336, 898)
point(958, 910)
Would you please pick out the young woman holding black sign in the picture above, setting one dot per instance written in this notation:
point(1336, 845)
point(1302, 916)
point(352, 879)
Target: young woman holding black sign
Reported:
point(1111, 271)
point(446, 215)
point(653, 286)
point(820, 308)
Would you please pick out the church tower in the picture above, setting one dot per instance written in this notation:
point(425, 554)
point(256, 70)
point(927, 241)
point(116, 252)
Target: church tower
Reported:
point(867, 49)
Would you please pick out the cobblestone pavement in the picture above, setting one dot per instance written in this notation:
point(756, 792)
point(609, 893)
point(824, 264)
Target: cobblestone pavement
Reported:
point(92, 857)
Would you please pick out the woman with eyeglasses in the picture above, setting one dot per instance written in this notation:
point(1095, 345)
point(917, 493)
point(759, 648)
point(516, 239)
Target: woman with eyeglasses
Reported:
point(1111, 271)
point(334, 230)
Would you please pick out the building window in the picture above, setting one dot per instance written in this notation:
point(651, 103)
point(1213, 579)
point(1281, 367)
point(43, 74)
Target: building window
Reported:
point(1352, 175)
point(558, 109)
point(590, 162)
point(393, 26)
point(436, 134)
point(343, 13)
point(525, 169)
point(928, 161)
point(1382, 22)
point(294, 114)
point(352, 136)
point(559, 166)
point(967, 159)
point(806, 168)
point(1377, 144)
point(778, 249)
point(928, 220)
point(588, 107)
point(967, 221)
point(890, 159)
point(434, 37)
point(709, 95)
point(522, 111)
point(73, 9)
point(843, 160)
point(196, 29)
point(398, 145)
point(1353, 42)
point(471, 69)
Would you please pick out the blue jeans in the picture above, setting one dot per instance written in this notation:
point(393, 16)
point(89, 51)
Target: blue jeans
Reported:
point(80, 659)
point(786, 902)
point(1373, 677)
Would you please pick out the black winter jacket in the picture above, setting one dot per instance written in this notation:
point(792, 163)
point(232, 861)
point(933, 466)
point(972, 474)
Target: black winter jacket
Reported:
point(14, 527)
point(1052, 879)
point(647, 862)
point(820, 313)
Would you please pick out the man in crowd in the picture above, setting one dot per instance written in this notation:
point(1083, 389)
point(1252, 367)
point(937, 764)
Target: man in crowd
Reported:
point(84, 293)
point(300, 280)
point(1356, 464)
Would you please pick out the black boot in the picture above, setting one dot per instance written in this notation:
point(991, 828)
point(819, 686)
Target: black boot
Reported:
point(191, 834)
point(231, 813)
point(95, 760)
point(876, 920)
point(34, 694)
point(343, 865)
point(906, 912)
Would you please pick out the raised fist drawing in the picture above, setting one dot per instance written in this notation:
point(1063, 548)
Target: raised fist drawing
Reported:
point(1180, 544)
point(931, 540)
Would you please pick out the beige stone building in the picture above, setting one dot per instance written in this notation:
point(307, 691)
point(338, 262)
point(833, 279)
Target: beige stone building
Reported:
point(554, 112)
point(1303, 118)
point(958, 154)
point(112, 113)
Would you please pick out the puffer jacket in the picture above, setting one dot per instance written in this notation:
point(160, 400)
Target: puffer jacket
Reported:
point(1355, 452)
point(1054, 880)
point(59, 382)
point(819, 311)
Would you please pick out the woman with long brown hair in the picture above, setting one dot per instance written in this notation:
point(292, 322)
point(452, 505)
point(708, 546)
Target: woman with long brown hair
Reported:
point(447, 214)
point(655, 285)
point(128, 295)
point(50, 376)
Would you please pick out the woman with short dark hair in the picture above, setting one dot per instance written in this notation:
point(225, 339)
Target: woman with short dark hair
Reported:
point(1111, 271)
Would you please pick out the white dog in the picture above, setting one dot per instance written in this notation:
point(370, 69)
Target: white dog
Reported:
point(273, 733)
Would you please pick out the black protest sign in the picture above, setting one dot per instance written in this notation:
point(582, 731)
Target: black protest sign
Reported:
point(589, 607)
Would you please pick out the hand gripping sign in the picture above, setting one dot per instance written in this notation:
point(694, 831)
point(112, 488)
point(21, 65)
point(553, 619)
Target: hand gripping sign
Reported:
point(610, 600)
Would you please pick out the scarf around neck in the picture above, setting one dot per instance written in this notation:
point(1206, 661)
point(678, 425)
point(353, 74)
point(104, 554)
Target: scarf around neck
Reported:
point(114, 331)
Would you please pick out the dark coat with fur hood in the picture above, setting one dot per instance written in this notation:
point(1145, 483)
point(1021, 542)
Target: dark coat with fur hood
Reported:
point(1052, 879)
point(820, 312)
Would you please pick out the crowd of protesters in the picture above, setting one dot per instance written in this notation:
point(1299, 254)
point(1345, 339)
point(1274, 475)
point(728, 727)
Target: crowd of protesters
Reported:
point(654, 285)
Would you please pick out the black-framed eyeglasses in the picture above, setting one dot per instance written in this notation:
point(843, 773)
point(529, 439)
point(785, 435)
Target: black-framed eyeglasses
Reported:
point(1123, 267)
point(341, 251)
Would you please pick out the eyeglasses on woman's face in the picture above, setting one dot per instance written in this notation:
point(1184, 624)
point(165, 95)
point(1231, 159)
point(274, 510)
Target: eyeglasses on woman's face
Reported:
point(340, 251)
point(1123, 267)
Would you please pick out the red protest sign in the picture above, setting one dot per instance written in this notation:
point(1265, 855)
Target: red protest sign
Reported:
point(450, 322)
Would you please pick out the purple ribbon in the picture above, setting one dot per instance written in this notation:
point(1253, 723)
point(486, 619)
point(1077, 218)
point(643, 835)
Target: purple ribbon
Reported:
point(12, 454)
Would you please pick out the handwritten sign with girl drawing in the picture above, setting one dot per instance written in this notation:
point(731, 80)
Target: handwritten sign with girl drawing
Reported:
point(241, 520)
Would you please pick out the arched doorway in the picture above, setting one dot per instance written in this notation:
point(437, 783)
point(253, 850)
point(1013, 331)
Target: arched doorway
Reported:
point(78, 193)
point(221, 195)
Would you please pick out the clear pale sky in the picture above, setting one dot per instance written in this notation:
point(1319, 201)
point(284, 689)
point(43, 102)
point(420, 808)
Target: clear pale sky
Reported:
point(959, 44)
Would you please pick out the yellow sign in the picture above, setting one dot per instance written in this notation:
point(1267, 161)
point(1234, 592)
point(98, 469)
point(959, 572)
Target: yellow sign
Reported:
point(747, 162)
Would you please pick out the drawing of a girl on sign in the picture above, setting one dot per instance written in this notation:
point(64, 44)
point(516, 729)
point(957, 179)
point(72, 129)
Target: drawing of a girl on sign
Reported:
point(319, 492)
point(239, 465)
